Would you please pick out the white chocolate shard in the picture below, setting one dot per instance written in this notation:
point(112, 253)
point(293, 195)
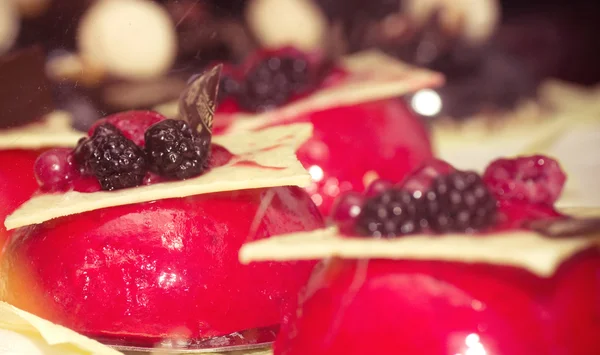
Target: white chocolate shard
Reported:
point(527, 250)
point(54, 130)
point(24, 333)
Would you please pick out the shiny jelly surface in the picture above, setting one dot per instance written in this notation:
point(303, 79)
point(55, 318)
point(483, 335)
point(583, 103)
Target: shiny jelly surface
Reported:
point(146, 271)
point(445, 308)
point(354, 145)
point(17, 183)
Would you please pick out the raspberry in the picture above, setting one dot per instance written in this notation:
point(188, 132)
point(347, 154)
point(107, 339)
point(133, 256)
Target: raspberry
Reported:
point(176, 151)
point(132, 124)
point(534, 179)
point(114, 160)
point(459, 202)
point(273, 81)
point(390, 214)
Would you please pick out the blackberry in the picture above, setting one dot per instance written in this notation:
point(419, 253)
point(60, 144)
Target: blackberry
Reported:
point(390, 214)
point(175, 151)
point(114, 160)
point(459, 202)
point(228, 87)
point(106, 129)
point(297, 72)
point(86, 146)
point(273, 81)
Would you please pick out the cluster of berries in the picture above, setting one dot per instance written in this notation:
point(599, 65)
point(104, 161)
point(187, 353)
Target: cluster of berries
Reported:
point(440, 199)
point(123, 149)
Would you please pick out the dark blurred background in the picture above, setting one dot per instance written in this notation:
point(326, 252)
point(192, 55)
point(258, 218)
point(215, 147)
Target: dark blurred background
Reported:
point(537, 39)
point(556, 38)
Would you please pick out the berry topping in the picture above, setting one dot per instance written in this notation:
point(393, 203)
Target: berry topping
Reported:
point(423, 177)
point(132, 124)
point(347, 207)
point(176, 151)
point(459, 202)
point(229, 86)
point(378, 186)
point(390, 214)
point(114, 160)
point(296, 70)
point(534, 179)
point(55, 169)
point(272, 81)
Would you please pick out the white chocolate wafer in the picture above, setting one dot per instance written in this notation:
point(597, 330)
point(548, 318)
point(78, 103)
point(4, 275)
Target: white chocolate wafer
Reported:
point(268, 158)
point(528, 250)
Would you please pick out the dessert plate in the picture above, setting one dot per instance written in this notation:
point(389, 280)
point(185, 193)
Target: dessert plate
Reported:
point(261, 342)
point(253, 349)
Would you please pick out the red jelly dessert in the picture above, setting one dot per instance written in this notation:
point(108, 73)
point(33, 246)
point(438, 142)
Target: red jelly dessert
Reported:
point(434, 307)
point(486, 278)
point(17, 182)
point(144, 272)
point(152, 259)
point(25, 96)
point(354, 141)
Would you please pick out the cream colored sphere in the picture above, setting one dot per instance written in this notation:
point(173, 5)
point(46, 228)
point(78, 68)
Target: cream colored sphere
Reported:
point(476, 19)
point(298, 23)
point(9, 25)
point(133, 39)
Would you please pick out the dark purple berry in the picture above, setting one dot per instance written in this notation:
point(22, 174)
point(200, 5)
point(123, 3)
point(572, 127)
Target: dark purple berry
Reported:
point(297, 71)
point(459, 202)
point(176, 151)
point(54, 169)
point(392, 213)
point(228, 87)
point(273, 81)
point(114, 160)
point(86, 146)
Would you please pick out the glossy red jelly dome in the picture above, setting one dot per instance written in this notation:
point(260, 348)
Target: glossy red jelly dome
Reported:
point(142, 272)
point(17, 182)
point(354, 145)
point(445, 308)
